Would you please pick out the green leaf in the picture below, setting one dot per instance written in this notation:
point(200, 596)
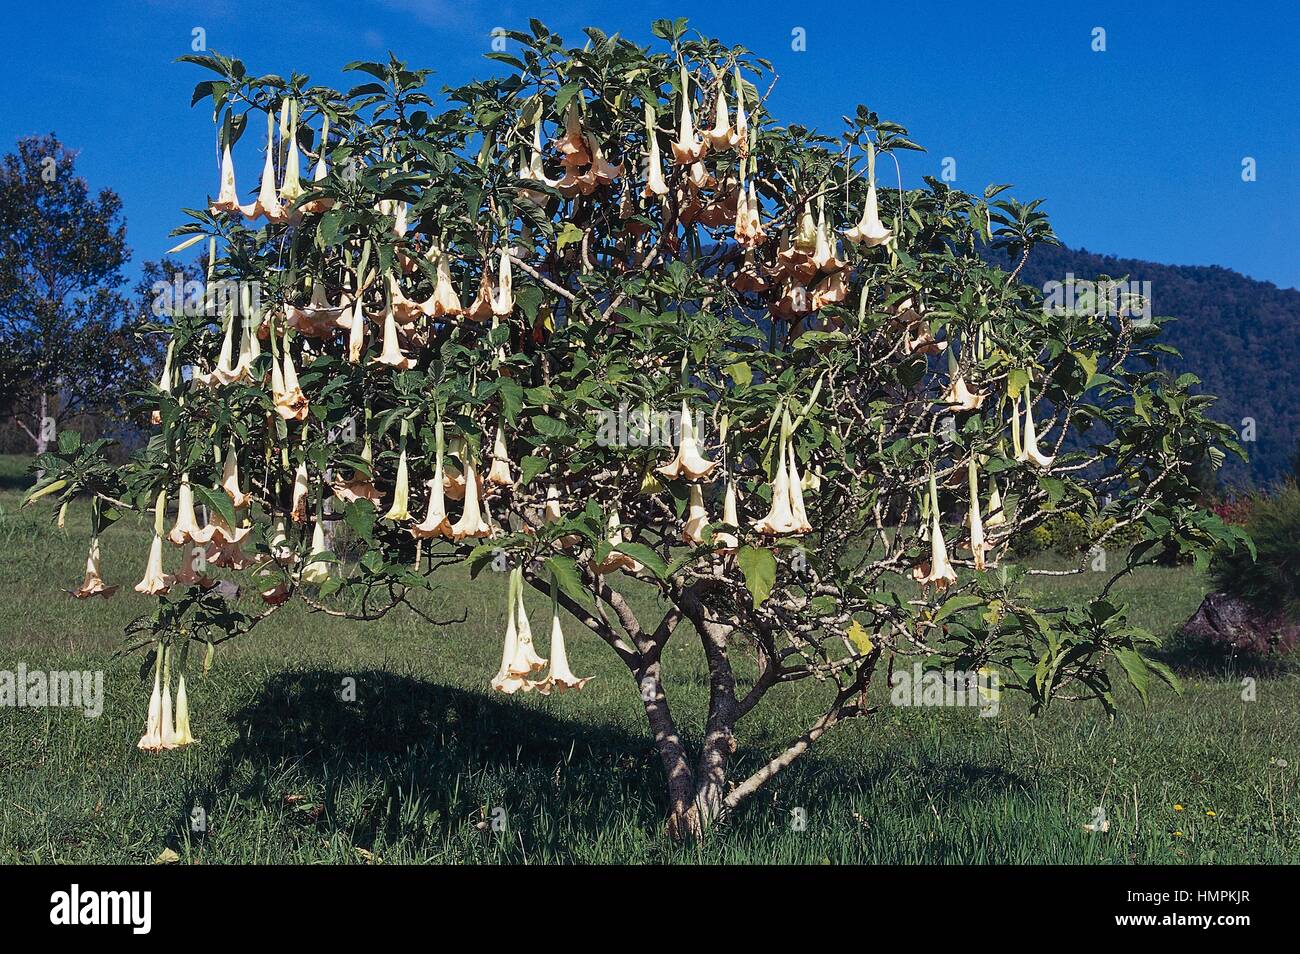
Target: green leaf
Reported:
point(360, 516)
point(565, 572)
point(1136, 667)
point(530, 467)
point(956, 604)
point(740, 373)
point(759, 567)
point(643, 554)
point(569, 235)
point(216, 500)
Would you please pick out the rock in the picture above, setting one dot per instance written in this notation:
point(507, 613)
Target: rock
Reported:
point(1238, 627)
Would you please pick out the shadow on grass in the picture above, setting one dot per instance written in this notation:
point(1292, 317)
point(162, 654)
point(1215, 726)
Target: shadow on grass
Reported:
point(422, 765)
point(1190, 656)
point(429, 759)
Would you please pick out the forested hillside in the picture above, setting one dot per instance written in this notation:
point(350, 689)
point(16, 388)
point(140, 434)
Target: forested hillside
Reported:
point(1237, 334)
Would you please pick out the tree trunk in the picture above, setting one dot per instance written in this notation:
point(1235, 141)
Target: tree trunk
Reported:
point(682, 823)
point(44, 425)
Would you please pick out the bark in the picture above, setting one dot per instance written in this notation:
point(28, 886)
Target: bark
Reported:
point(43, 428)
point(682, 822)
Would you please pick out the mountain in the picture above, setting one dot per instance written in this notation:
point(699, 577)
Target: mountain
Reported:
point(1238, 335)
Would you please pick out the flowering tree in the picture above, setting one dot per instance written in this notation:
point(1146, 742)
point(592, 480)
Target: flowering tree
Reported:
point(604, 318)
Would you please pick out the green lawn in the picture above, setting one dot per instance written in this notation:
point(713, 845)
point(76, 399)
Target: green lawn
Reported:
point(414, 770)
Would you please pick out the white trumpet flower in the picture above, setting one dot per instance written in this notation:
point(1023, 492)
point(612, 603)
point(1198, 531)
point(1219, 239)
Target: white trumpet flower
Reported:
point(471, 522)
point(697, 518)
point(1029, 446)
point(870, 230)
point(688, 463)
point(726, 540)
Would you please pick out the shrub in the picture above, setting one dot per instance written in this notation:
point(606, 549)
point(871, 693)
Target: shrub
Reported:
point(1267, 576)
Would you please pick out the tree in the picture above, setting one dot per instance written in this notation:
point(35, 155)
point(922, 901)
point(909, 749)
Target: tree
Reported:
point(700, 362)
point(62, 316)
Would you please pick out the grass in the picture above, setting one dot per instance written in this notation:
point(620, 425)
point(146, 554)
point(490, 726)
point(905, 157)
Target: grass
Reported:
point(419, 766)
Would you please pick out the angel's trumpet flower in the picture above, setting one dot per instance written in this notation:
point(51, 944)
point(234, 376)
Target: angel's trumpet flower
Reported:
point(318, 206)
point(164, 380)
point(602, 172)
point(356, 330)
point(401, 492)
point(453, 483)
point(287, 394)
point(227, 197)
point(230, 478)
point(435, 523)
point(941, 573)
point(655, 184)
point(155, 581)
point(445, 301)
point(190, 574)
point(780, 518)
point(977, 545)
point(997, 510)
point(186, 527)
point(499, 472)
point(184, 735)
point(268, 202)
point(225, 370)
point(689, 146)
point(617, 560)
point(169, 738)
point(688, 463)
point(392, 354)
point(572, 146)
point(359, 486)
point(742, 123)
point(227, 554)
point(292, 188)
point(831, 290)
point(93, 582)
point(798, 513)
point(504, 301)
point(507, 680)
point(870, 230)
point(1029, 446)
point(561, 677)
point(481, 308)
point(748, 277)
point(281, 552)
point(152, 740)
point(316, 571)
point(527, 660)
point(722, 135)
point(824, 256)
point(407, 310)
point(551, 509)
point(471, 522)
point(725, 540)
point(551, 514)
point(318, 318)
point(301, 488)
point(275, 595)
point(958, 397)
point(918, 338)
point(697, 518)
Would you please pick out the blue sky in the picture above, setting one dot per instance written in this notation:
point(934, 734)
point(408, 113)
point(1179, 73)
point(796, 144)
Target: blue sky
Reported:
point(1137, 150)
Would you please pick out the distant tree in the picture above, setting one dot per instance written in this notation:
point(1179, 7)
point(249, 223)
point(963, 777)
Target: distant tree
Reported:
point(64, 324)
